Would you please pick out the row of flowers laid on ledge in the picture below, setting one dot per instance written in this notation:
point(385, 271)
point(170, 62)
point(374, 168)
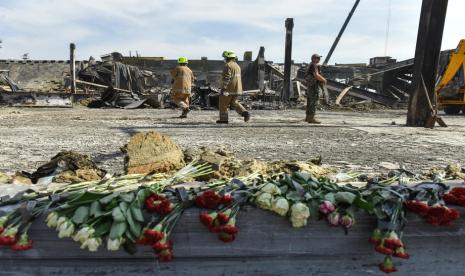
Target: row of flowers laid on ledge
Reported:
point(133, 210)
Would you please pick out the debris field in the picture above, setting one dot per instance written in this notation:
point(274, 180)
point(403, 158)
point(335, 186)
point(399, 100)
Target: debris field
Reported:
point(375, 140)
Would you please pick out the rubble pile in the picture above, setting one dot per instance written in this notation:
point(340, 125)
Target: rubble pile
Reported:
point(67, 167)
point(226, 165)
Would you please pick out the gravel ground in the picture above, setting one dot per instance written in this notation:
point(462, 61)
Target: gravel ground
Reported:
point(31, 136)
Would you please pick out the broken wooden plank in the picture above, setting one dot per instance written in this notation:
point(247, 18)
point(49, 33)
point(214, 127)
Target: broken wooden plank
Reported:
point(342, 94)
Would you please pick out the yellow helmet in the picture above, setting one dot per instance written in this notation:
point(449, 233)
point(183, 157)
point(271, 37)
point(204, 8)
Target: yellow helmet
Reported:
point(229, 54)
point(225, 53)
point(183, 60)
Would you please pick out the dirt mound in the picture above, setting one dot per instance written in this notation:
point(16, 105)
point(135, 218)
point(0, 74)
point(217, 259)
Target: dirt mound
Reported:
point(152, 152)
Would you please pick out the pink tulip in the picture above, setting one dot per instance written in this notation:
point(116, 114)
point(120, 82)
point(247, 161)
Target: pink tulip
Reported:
point(327, 207)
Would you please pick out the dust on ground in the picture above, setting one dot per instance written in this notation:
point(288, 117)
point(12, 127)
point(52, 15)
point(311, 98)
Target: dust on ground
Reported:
point(365, 141)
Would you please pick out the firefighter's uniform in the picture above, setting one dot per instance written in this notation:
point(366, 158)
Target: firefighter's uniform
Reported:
point(182, 85)
point(231, 89)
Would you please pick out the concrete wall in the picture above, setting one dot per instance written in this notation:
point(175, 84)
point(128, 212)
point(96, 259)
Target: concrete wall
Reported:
point(48, 75)
point(37, 75)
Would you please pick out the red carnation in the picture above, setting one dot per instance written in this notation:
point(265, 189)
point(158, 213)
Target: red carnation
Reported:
point(387, 266)
point(8, 236)
point(208, 199)
point(227, 199)
point(226, 237)
point(400, 253)
point(441, 215)
point(230, 229)
point(23, 244)
point(153, 235)
point(380, 248)
point(376, 237)
point(165, 255)
point(458, 191)
point(392, 241)
point(207, 219)
point(417, 207)
point(165, 207)
point(162, 245)
point(224, 216)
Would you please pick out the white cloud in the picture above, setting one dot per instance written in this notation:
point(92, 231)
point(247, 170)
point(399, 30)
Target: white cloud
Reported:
point(204, 28)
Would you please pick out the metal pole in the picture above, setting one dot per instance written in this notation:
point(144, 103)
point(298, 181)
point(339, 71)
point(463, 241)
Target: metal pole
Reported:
point(261, 69)
point(287, 61)
point(428, 49)
point(72, 64)
point(344, 26)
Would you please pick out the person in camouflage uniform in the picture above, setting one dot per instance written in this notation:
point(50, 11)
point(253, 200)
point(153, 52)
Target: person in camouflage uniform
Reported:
point(314, 82)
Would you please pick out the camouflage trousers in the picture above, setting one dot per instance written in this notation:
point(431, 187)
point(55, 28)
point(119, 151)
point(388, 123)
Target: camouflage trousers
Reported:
point(313, 95)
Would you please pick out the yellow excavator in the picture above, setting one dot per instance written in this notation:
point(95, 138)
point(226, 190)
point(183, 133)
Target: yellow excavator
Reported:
point(450, 89)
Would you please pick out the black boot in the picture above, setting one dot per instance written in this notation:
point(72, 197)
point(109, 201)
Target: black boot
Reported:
point(222, 122)
point(246, 116)
point(184, 113)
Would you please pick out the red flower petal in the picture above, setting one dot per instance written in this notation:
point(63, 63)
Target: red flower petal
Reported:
point(230, 229)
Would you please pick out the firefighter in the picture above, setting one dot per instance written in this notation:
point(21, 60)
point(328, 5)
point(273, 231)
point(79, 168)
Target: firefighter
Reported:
point(182, 85)
point(231, 89)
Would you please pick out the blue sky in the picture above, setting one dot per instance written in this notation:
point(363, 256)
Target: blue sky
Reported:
point(197, 28)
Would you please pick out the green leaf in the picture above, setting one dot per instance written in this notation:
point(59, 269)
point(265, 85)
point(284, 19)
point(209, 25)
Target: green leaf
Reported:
point(96, 209)
point(345, 197)
point(141, 196)
point(294, 196)
point(81, 215)
point(330, 197)
point(363, 204)
point(314, 208)
point(130, 236)
point(301, 177)
point(124, 207)
point(134, 227)
point(109, 198)
point(118, 215)
point(127, 197)
point(283, 188)
point(118, 229)
point(102, 228)
point(137, 213)
point(111, 205)
point(86, 198)
point(130, 247)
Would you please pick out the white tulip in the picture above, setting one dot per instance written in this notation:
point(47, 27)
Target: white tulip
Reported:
point(92, 244)
point(66, 229)
point(271, 189)
point(299, 215)
point(280, 206)
point(60, 221)
point(83, 234)
point(263, 201)
point(114, 245)
point(52, 220)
